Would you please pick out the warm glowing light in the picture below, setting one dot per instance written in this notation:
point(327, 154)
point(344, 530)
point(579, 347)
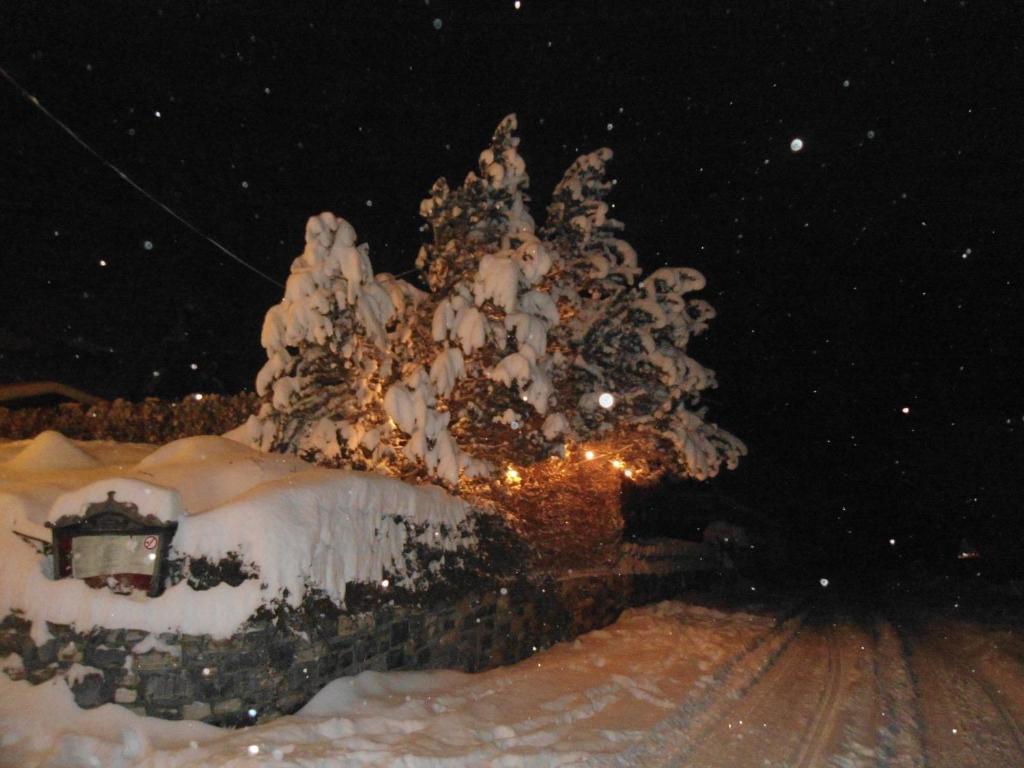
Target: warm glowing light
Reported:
point(385, 583)
point(618, 463)
point(588, 455)
point(254, 749)
point(904, 409)
point(628, 473)
point(512, 476)
point(606, 400)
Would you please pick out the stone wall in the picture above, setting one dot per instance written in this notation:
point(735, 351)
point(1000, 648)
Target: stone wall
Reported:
point(277, 663)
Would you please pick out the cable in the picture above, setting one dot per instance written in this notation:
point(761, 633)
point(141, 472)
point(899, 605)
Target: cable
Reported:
point(64, 127)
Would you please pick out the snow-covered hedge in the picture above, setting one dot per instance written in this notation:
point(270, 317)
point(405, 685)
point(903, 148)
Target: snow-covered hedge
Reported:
point(148, 421)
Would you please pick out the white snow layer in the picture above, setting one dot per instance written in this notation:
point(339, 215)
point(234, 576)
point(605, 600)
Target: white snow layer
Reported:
point(299, 526)
point(152, 500)
point(595, 696)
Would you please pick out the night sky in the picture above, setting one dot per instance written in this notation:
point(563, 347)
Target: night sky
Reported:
point(869, 331)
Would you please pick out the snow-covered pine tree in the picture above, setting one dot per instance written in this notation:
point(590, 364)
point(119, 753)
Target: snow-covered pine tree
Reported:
point(595, 263)
point(488, 272)
point(625, 339)
point(332, 343)
point(505, 358)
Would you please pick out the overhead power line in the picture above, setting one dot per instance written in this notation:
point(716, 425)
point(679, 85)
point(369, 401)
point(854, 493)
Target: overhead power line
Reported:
point(64, 127)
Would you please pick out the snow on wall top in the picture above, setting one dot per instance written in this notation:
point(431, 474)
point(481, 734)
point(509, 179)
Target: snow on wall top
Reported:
point(151, 499)
point(301, 527)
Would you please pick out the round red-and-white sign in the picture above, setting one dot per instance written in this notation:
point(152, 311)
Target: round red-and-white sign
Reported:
point(149, 542)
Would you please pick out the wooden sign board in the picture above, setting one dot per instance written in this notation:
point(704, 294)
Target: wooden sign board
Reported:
point(112, 545)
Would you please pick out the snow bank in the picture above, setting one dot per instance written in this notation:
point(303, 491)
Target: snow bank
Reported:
point(324, 528)
point(300, 527)
point(51, 451)
point(595, 696)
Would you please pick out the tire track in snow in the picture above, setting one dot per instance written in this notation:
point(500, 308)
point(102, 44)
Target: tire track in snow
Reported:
point(824, 720)
point(899, 740)
point(960, 707)
point(678, 735)
point(1008, 718)
point(794, 695)
point(974, 675)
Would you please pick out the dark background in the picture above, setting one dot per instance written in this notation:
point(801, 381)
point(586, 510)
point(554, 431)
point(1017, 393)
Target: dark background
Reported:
point(875, 270)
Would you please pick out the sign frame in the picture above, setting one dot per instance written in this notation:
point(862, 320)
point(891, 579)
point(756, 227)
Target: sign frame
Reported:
point(113, 518)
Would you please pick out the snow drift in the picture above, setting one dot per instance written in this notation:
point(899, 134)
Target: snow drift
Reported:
point(296, 527)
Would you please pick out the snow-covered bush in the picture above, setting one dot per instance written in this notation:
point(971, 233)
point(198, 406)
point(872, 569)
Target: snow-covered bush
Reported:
point(525, 343)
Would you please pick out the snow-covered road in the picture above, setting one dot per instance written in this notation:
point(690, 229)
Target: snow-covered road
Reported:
point(671, 684)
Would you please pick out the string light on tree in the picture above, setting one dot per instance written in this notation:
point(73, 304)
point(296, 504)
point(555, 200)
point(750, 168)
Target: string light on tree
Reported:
point(606, 400)
point(588, 455)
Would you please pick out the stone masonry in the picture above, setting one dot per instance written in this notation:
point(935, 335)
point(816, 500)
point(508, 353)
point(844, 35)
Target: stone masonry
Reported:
point(275, 664)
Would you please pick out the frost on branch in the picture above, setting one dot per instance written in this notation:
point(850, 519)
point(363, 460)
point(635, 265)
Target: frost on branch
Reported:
point(505, 358)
